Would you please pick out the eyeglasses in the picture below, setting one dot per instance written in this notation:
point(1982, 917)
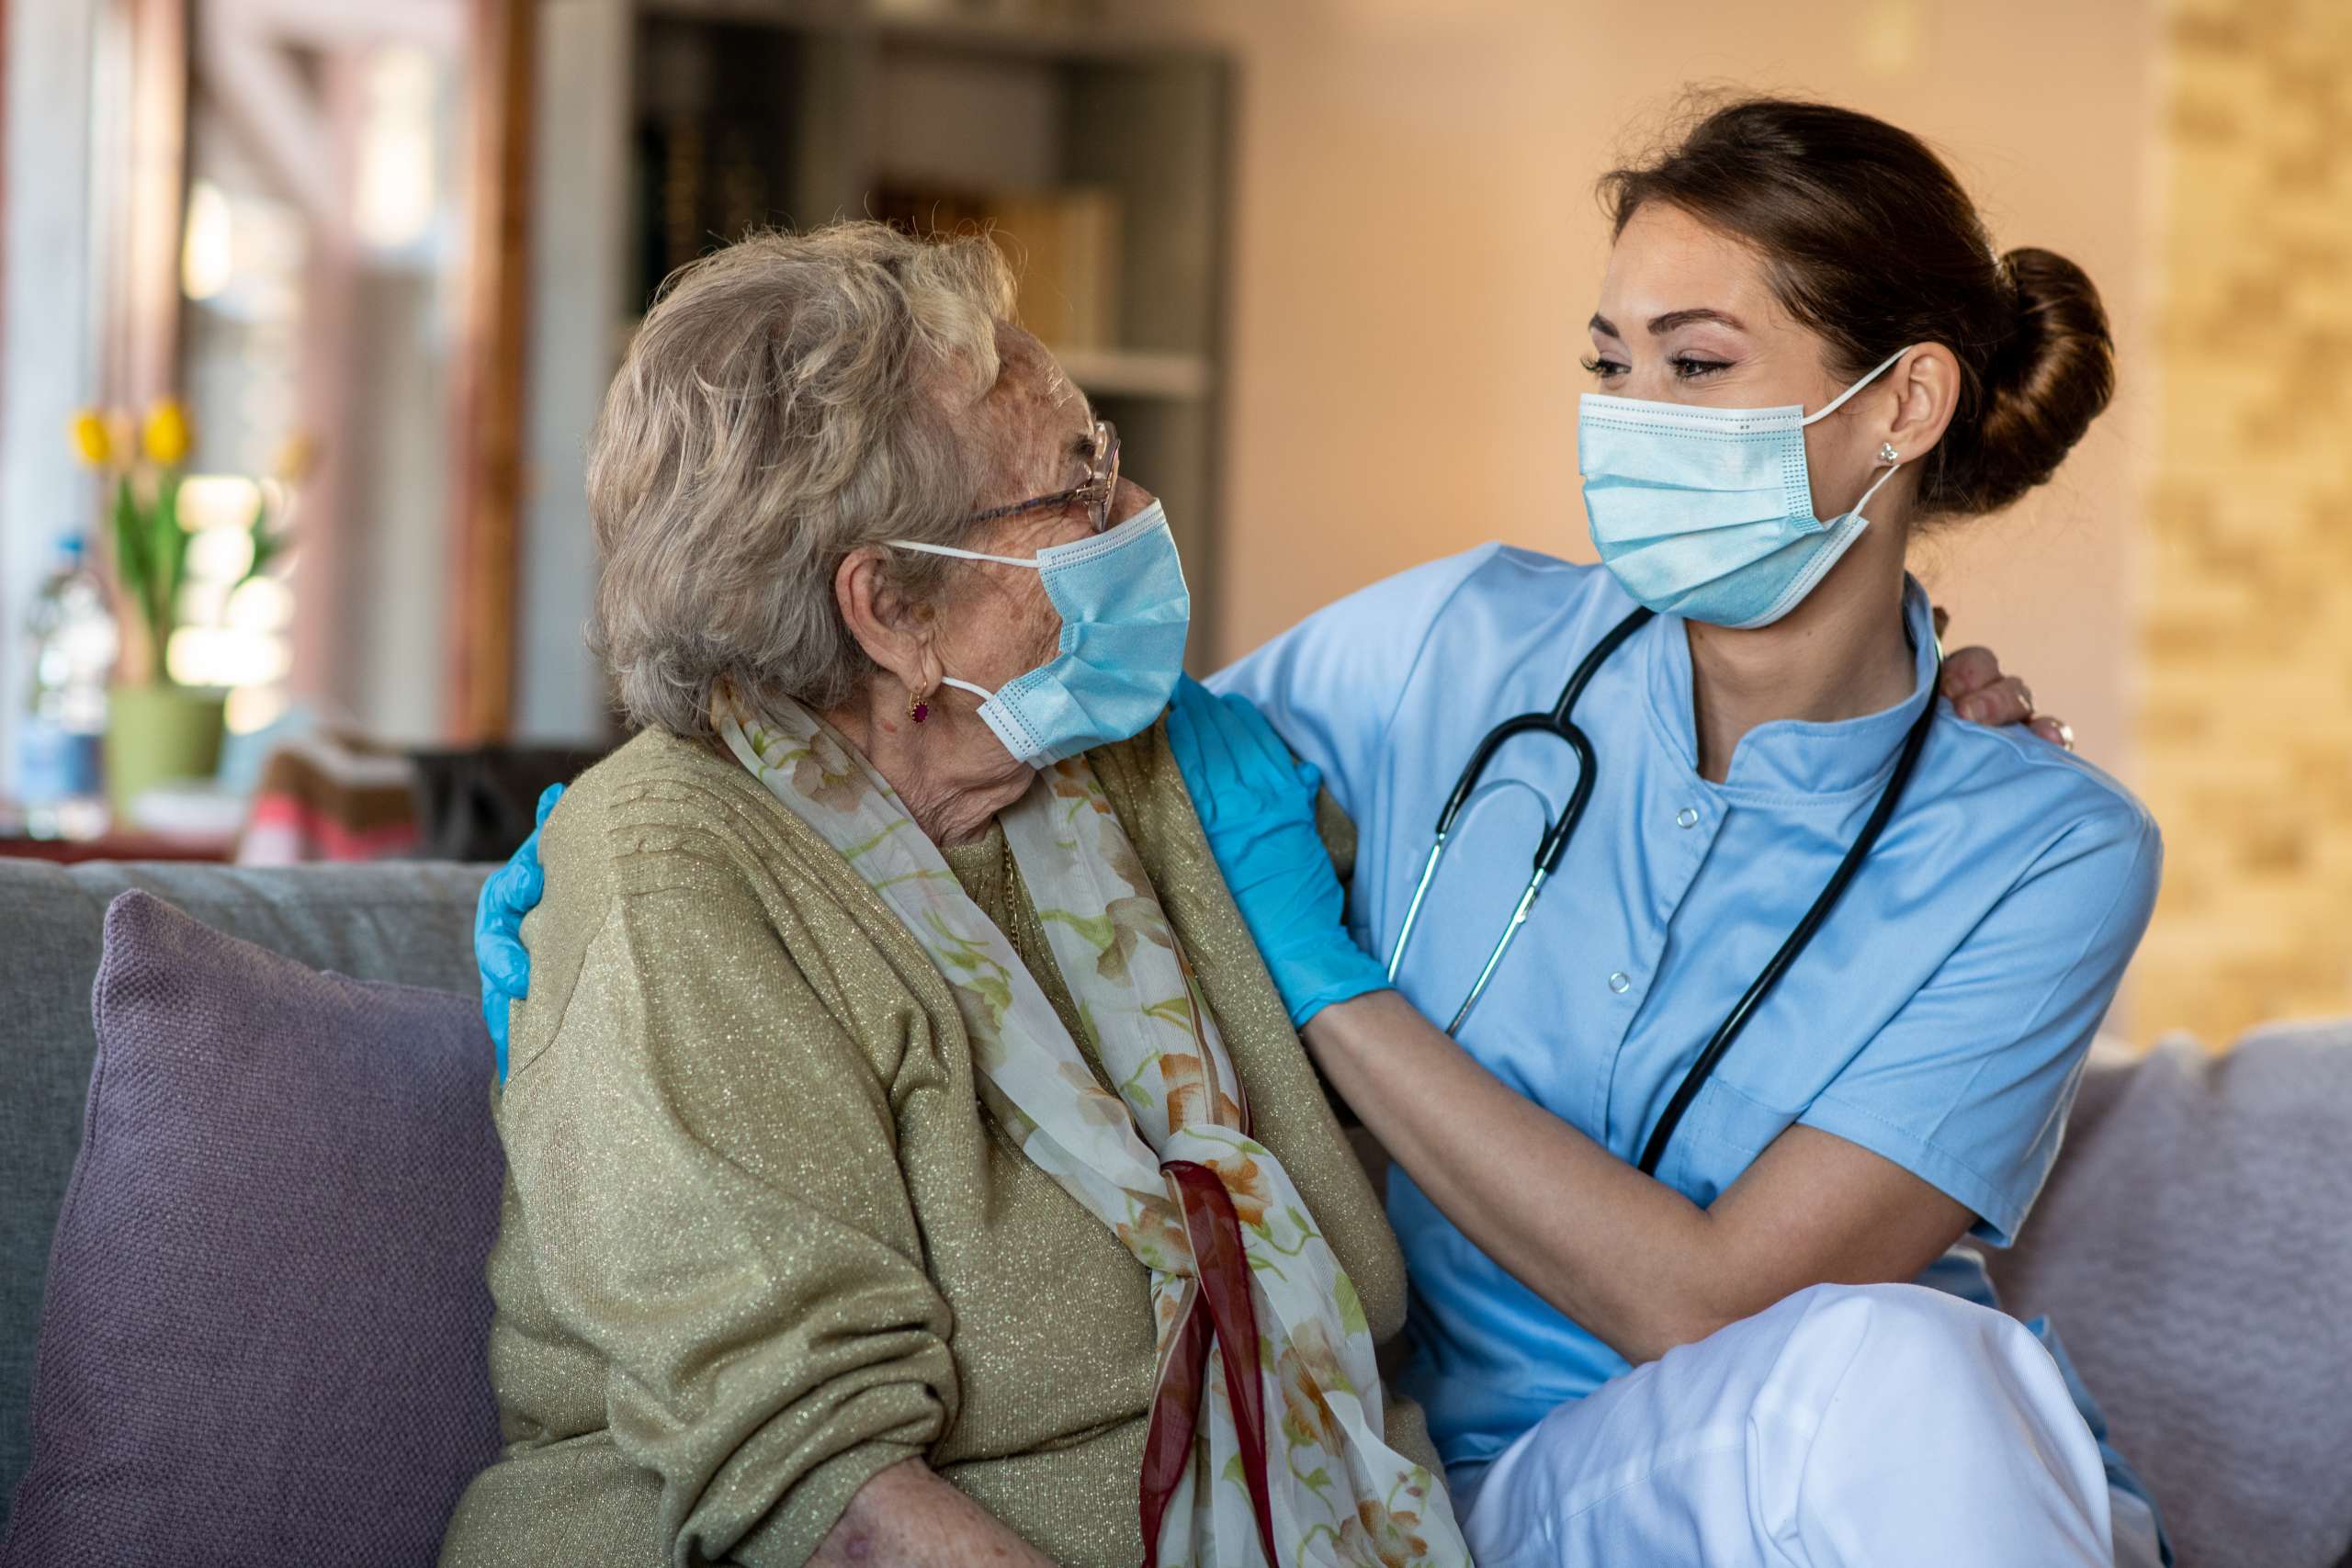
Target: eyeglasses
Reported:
point(1101, 487)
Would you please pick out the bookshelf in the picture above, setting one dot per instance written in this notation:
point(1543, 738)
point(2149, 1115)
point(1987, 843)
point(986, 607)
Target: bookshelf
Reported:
point(1099, 153)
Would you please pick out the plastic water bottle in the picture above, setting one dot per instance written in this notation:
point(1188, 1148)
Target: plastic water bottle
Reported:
point(60, 783)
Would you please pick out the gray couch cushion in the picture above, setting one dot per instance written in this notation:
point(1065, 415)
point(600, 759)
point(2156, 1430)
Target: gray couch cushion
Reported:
point(263, 1336)
point(2192, 1248)
point(409, 923)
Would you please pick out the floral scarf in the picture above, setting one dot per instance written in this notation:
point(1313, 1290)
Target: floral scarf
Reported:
point(1265, 1443)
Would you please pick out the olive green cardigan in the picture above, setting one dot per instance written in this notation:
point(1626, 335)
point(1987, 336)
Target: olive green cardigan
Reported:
point(760, 1240)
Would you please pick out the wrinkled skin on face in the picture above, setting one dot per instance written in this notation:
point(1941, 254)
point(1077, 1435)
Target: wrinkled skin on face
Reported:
point(993, 622)
point(985, 622)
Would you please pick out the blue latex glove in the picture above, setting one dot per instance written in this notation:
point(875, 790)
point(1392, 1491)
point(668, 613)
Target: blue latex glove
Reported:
point(512, 891)
point(1257, 804)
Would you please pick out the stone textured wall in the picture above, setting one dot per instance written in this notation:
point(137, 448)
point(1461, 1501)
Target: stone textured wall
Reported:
point(2244, 732)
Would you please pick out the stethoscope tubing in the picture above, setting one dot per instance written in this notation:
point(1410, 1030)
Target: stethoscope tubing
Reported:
point(1560, 724)
point(1799, 940)
point(1554, 845)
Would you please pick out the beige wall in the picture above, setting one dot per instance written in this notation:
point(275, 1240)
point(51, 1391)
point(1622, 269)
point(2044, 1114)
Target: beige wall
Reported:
point(1418, 248)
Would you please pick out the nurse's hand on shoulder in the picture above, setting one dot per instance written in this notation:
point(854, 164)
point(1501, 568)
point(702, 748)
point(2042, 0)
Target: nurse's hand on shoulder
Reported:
point(1978, 690)
point(512, 891)
point(1257, 806)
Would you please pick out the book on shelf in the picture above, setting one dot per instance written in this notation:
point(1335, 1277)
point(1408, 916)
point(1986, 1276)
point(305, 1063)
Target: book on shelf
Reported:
point(715, 142)
point(1063, 243)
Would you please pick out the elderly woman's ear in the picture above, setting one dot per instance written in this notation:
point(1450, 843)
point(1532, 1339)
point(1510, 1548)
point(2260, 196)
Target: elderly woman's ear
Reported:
point(894, 630)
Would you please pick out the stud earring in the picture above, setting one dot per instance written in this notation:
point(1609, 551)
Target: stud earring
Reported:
point(1887, 453)
point(917, 709)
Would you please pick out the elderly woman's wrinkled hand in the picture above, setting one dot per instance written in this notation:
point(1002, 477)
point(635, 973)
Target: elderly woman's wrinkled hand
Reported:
point(1257, 806)
point(512, 891)
point(1981, 694)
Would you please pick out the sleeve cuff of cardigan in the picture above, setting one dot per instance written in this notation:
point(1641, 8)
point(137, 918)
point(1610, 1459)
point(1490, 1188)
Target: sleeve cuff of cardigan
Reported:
point(799, 1525)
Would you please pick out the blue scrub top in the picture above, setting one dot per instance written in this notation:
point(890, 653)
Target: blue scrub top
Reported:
point(1940, 1019)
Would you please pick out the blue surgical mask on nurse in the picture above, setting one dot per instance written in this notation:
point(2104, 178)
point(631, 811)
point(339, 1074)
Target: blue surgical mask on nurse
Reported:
point(1707, 512)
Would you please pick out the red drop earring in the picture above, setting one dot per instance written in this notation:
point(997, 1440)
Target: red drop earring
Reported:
point(917, 709)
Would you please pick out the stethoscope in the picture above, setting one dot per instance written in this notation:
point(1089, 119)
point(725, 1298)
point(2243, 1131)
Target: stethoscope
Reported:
point(1554, 845)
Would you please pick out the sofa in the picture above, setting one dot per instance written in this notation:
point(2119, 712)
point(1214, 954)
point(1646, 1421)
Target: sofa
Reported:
point(2193, 1244)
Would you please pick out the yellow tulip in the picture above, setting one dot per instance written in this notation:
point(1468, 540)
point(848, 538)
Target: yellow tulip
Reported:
point(295, 458)
point(91, 442)
point(166, 436)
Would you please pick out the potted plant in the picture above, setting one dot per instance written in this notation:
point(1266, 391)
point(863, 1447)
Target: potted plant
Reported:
point(157, 730)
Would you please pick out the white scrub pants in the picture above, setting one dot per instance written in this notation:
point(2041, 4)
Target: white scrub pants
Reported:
point(1850, 1426)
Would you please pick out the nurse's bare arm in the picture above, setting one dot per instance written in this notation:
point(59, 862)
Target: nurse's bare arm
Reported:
point(1630, 1259)
point(1978, 690)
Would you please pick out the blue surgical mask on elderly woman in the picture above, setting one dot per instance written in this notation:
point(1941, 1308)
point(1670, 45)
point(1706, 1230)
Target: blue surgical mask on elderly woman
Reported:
point(1707, 512)
point(1124, 613)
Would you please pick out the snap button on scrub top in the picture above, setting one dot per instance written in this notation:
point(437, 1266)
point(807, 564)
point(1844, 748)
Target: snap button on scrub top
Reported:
point(1687, 818)
point(1619, 983)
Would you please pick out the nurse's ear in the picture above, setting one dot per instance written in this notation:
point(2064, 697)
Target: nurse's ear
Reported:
point(1925, 387)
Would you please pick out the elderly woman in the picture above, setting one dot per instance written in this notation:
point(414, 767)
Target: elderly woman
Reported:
point(909, 1158)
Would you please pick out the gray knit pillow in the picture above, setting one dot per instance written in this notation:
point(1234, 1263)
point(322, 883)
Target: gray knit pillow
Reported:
point(263, 1338)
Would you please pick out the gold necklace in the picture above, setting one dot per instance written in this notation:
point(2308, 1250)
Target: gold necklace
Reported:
point(1012, 888)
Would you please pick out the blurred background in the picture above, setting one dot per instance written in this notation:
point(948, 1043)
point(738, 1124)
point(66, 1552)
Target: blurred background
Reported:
point(339, 284)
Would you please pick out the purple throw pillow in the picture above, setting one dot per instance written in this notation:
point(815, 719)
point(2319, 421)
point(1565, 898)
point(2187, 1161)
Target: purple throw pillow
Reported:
point(263, 1339)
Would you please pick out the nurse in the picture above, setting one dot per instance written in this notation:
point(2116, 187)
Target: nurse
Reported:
point(1722, 1363)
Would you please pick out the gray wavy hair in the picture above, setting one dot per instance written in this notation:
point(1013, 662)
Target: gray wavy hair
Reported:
point(788, 399)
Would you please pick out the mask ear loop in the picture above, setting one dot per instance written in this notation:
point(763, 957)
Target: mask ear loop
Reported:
point(1892, 463)
point(963, 555)
point(1834, 404)
point(1856, 510)
point(981, 692)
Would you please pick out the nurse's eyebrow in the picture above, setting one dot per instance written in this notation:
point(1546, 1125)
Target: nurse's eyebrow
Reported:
point(1661, 325)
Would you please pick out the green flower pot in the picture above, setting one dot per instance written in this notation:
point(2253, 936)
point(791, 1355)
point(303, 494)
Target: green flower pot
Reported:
point(157, 735)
